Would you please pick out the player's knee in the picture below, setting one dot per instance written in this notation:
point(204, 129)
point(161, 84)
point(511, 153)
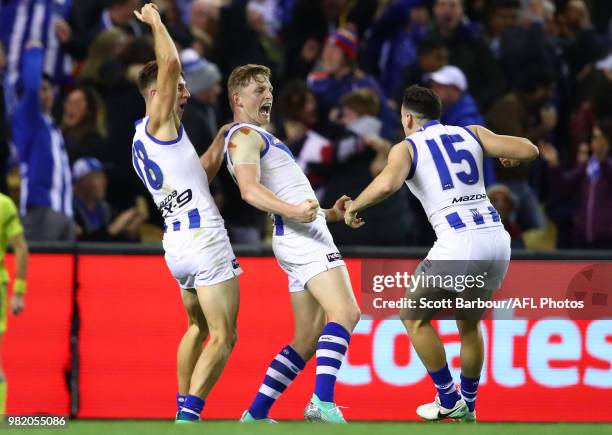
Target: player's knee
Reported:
point(224, 340)
point(354, 316)
point(195, 329)
point(346, 316)
point(351, 316)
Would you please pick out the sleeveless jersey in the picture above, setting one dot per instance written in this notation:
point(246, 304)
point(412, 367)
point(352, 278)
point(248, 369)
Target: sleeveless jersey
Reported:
point(446, 176)
point(282, 175)
point(173, 174)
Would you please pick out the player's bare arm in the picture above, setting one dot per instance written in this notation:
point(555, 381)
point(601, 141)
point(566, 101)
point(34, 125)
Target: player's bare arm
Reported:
point(163, 121)
point(20, 247)
point(511, 150)
point(244, 150)
point(213, 157)
point(387, 183)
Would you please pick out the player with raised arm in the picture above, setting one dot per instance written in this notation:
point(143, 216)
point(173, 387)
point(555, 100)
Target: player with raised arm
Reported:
point(442, 166)
point(324, 306)
point(198, 252)
point(11, 233)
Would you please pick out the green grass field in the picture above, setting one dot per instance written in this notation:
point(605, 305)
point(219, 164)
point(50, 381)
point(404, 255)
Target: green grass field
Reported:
point(298, 428)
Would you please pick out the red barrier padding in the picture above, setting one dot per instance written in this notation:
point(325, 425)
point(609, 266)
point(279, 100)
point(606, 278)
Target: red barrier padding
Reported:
point(36, 348)
point(132, 321)
point(545, 370)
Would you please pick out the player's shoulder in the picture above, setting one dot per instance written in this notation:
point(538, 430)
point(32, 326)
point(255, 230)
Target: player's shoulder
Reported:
point(7, 206)
point(6, 201)
point(139, 128)
point(246, 134)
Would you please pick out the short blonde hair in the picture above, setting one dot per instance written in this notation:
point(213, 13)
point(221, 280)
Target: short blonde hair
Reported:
point(241, 77)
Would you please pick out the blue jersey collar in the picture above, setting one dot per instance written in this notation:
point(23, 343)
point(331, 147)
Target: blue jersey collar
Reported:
point(429, 124)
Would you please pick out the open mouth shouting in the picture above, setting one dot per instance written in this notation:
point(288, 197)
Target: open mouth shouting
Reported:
point(265, 109)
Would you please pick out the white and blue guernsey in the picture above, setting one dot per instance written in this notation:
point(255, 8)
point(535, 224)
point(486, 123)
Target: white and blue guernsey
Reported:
point(173, 174)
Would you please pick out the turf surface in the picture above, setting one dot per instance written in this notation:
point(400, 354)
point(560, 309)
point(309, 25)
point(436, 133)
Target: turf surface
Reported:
point(126, 427)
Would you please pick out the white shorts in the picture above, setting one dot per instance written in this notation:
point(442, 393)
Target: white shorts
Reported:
point(303, 256)
point(484, 252)
point(200, 257)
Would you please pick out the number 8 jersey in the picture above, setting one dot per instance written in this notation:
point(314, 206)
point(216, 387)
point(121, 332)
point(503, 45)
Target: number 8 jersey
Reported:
point(174, 175)
point(446, 176)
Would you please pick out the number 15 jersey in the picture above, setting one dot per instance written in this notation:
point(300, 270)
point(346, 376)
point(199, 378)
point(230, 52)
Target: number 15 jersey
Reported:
point(446, 176)
point(174, 176)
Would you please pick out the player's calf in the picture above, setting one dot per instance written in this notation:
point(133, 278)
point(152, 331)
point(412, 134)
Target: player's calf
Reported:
point(283, 369)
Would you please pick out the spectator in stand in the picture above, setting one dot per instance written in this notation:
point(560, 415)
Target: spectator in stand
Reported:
point(309, 22)
point(4, 149)
point(526, 113)
point(591, 178)
point(83, 124)
point(203, 80)
point(360, 154)
point(111, 69)
point(24, 21)
point(179, 31)
point(432, 55)
point(312, 151)
point(79, 32)
point(94, 217)
point(340, 75)
point(458, 106)
point(102, 57)
point(501, 15)
point(580, 43)
point(46, 187)
point(204, 23)
point(502, 199)
point(391, 44)
point(468, 51)
point(249, 41)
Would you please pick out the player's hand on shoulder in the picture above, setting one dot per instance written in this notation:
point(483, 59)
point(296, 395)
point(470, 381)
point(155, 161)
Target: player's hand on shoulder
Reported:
point(336, 213)
point(224, 129)
point(306, 211)
point(148, 14)
point(350, 217)
point(17, 304)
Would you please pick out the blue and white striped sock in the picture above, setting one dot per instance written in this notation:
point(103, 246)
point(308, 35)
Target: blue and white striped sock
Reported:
point(180, 399)
point(282, 371)
point(469, 389)
point(445, 385)
point(191, 409)
point(331, 348)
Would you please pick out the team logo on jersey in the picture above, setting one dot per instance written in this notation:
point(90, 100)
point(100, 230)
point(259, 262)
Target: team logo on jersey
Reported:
point(469, 198)
point(174, 201)
point(334, 256)
point(235, 263)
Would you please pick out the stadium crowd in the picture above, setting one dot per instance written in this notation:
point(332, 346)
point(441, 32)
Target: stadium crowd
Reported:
point(540, 69)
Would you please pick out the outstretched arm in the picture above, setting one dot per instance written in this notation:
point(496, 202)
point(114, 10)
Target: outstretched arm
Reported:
point(244, 151)
point(29, 109)
point(169, 70)
point(387, 183)
point(511, 148)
